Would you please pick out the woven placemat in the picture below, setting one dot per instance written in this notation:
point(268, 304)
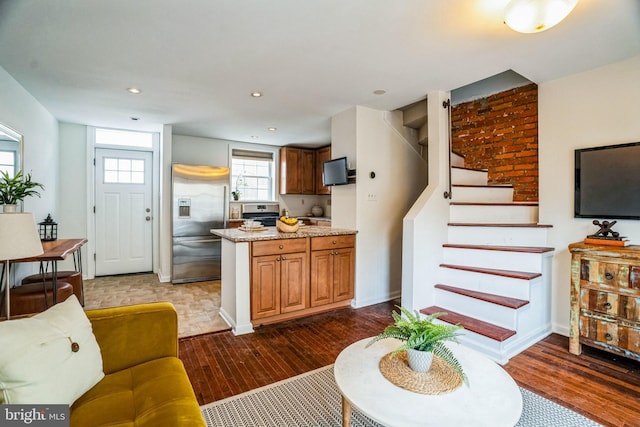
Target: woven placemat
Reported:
point(439, 379)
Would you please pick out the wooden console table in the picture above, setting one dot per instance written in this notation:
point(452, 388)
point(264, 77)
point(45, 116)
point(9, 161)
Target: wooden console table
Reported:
point(54, 251)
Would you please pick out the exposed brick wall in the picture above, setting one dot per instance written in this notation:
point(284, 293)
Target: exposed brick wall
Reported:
point(500, 133)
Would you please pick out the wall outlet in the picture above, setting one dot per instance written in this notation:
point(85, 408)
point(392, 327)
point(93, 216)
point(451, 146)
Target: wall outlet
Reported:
point(371, 197)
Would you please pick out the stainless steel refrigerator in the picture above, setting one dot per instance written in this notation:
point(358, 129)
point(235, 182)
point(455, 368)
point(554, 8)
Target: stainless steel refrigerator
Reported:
point(199, 203)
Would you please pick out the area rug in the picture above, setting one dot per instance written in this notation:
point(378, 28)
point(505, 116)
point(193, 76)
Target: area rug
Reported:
point(313, 399)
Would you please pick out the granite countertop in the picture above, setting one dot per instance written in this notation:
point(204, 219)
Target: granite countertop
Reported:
point(272, 233)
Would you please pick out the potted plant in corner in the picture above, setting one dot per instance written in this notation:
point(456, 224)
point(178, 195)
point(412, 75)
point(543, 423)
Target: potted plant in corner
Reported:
point(15, 189)
point(422, 339)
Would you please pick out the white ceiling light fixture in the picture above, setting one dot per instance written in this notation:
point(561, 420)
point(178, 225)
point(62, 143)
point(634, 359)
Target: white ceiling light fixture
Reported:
point(272, 129)
point(256, 94)
point(533, 16)
point(134, 90)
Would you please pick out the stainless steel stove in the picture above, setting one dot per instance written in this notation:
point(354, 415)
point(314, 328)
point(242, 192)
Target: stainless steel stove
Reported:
point(267, 213)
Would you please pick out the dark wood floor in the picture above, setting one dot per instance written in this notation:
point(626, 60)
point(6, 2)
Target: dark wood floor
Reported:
point(603, 387)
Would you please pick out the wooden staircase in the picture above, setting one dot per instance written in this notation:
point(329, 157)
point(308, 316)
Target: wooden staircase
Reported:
point(495, 276)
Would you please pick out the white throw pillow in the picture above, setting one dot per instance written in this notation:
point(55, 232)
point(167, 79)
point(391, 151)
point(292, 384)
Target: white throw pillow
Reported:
point(52, 357)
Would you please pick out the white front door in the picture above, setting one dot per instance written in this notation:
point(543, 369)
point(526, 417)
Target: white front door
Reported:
point(123, 212)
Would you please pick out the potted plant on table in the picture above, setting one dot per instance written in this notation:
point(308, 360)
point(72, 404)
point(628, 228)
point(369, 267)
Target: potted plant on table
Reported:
point(15, 189)
point(422, 339)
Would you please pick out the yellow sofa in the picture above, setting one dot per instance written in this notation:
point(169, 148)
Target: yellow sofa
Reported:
point(145, 383)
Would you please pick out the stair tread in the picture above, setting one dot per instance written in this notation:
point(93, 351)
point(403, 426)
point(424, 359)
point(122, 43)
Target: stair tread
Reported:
point(496, 272)
point(509, 302)
point(526, 249)
point(469, 169)
point(489, 330)
point(484, 224)
point(494, 203)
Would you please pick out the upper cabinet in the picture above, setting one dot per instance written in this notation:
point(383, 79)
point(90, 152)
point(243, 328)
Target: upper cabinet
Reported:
point(297, 171)
point(322, 155)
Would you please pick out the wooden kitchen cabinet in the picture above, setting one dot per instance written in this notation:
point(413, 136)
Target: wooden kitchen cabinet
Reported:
point(297, 171)
point(332, 269)
point(322, 155)
point(279, 277)
point(605, 299)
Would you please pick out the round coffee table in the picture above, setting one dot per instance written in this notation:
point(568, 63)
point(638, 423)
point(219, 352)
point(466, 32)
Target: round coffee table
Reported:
point(492, 398)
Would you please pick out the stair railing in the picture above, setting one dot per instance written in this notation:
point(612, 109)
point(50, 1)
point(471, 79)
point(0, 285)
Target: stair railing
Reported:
point(447, 104)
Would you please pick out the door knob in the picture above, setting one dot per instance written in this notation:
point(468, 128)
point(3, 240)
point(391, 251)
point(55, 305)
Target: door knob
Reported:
point(148, 218)
point(147, 210)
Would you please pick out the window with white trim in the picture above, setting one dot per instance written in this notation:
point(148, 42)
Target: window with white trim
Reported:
point(252, 175)
point(124, 137)
point(123, 171)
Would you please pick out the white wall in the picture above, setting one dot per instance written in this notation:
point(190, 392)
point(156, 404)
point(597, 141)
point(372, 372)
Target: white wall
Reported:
point(375, 206)
point(72, 200)
point(594, 108)
point(164, 226)
point(343, 144)
point(425, 225)
point(193, 150)
point(72, 196)
point(23, 113)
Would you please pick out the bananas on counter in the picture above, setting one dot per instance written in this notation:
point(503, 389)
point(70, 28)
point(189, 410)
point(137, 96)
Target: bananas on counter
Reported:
point(289, 221)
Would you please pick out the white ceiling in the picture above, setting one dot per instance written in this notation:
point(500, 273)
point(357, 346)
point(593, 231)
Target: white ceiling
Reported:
point(197, 61)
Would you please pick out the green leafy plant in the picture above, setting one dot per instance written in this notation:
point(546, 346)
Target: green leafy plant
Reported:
point(17, 188)
point(420, 333)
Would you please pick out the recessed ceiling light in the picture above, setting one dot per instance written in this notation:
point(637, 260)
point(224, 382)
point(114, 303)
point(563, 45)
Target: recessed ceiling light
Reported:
point(256, 94)
point(255, 136)
point(272, 129)
point(379, 91)
point(135, 118)
point(134, 90)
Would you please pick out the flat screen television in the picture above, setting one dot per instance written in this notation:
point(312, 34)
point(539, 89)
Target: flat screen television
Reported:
point(335, 172)
point(607, 182)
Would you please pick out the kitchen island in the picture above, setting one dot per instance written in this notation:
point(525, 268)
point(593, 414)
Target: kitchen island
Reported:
point(269, 276)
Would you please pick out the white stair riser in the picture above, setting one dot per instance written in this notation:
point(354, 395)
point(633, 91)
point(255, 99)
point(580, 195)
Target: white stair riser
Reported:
point(498, 236)
point(457, 160)
point(502, 260)
point(493, 214)
point(501, 352)
point(490, 347)
point(489, 283)
point(494, 194)
point(529, 318)
point(468, 177)
point(478, 309)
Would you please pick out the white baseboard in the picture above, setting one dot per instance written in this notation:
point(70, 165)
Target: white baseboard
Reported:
point(561, 329)
point(235, 329)
point(164, 278)
point(359, 303)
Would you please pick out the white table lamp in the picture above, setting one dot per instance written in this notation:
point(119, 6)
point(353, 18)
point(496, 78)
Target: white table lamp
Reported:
point(19, 238)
